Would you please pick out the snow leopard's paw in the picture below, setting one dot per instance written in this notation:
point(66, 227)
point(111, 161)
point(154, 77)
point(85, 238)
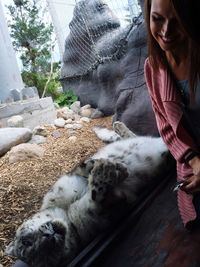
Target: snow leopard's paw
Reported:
point(84, 168)
point(104, 176)
point(121, 129)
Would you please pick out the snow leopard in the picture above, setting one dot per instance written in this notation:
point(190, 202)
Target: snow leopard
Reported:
point(81, 203)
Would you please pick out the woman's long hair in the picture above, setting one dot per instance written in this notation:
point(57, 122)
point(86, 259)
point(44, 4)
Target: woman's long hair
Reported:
point(157, 55)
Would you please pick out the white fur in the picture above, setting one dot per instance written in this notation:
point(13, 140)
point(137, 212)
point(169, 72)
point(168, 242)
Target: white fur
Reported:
point(125, 167)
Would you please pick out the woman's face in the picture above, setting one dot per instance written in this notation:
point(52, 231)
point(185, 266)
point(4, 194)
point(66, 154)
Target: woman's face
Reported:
point(164, 26)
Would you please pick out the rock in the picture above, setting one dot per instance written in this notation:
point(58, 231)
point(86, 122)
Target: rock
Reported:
point(29, 92)
point(40, 130)
point(60, 122)
point(117, 86)
point(77, 126)
point(85, 119)
point(97, 114)
point(65, 109)
point(86, 112)
point(68, 121)
point(56, 105)
point(65, 113)
point(24, 152)
point(10, 137)
point(73, 126)
point(15, 121)
point(69, 126)
point(76, 106)
point(88, 106)
point(77, 117)
point(56, 134)
point(68, 114)
point(37, 139)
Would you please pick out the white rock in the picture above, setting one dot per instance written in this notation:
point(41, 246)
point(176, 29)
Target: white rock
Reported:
point(69, 126)
point(15, 121)
point(85, 119)
point(68, 121)
point(77, 126)
point(24, 152)
point(65, 109)
point(85, 107)
point(56, 134)
point(60, 122)
point(65, 113)
point(86, 112)
point(38, 139)
point(10, 137)
point(69, 111)
point(76, 106)
point(59, 113)
point(72, 138)
point(77, 117)
point(68, 115)
point(97, 114)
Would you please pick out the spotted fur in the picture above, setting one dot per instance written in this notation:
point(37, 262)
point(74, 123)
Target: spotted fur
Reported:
point(79, 204)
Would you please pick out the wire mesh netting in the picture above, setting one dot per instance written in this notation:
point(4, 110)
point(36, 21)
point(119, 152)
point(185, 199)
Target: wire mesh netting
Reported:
point(98, 32)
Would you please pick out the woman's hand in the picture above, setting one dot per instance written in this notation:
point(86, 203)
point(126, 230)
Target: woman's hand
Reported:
point(195, 165)
point(192, 183)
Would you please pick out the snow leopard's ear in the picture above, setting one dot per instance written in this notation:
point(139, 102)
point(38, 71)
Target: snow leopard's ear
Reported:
point(9, 251)
point(58, 227)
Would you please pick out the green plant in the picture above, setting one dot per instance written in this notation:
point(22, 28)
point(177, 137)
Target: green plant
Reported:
point(39, 80)
point(31, 35)
point(66, 99)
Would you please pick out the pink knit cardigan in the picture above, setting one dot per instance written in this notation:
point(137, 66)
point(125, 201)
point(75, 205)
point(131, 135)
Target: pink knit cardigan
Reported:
point(166, 103)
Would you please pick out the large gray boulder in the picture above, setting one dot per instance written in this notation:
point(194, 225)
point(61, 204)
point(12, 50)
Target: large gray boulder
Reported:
point(10, 137)
point(108, 73)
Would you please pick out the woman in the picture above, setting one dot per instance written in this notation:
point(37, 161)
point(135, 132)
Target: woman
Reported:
point(170, 58)
point(172, 73)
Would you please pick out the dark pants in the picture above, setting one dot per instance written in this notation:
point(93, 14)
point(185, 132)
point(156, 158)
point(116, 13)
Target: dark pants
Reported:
point(196, 201)
point(19, 263)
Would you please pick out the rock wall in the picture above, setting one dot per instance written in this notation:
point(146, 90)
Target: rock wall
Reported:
point(114, 81)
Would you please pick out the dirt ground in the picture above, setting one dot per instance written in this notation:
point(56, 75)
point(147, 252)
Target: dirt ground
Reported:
point(23, 184)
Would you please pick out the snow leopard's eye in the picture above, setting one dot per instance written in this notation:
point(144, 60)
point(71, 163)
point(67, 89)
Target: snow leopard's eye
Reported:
point(27, 241)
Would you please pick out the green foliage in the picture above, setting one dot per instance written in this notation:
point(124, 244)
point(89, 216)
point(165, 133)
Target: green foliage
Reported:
point(39, 81)
point(31, 35)
point(32, 40)
point(66, 99)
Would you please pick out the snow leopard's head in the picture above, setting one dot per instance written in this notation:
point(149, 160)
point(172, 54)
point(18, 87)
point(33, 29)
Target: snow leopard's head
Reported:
point(39, 245)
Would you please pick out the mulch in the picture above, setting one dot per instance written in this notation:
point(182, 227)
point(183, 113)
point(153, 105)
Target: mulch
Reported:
point(23, 184)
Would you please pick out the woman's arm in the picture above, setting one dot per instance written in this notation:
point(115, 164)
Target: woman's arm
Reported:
point(174, 134)
point(169, 116)
point(172, 130)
